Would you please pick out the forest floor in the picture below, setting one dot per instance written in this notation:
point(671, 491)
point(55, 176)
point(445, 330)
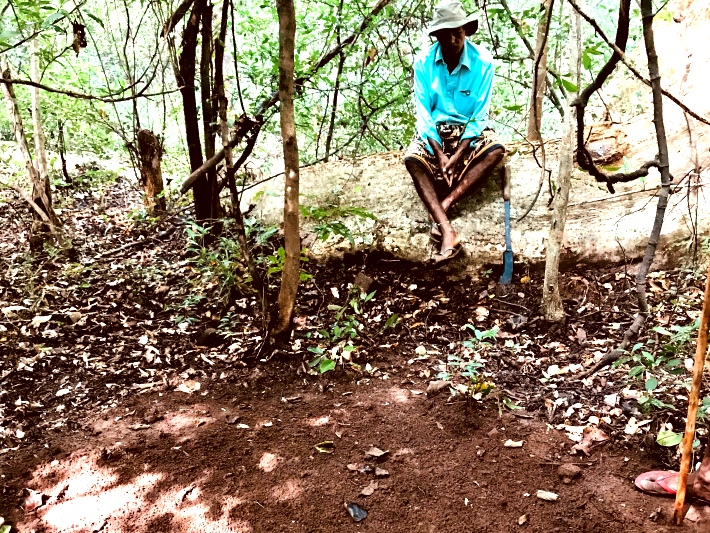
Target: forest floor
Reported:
point(134, 397)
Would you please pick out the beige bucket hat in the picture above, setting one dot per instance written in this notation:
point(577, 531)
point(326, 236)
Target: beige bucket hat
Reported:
point(450, 14)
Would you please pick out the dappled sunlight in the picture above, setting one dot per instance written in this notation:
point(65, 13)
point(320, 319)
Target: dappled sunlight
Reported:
point(318, 422)
point(289, 490)
point(84, 496)
point(269, 462)
point(184, 421)
point(398, 395)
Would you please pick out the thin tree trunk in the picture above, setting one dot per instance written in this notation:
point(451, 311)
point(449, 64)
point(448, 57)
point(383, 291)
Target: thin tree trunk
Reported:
point(39, 137)
point(291, 268)
point(552, 307)
point(209, 114)
point(663, 193)
point(186, 80)
point(219, 91)
point(333, 111)
point(63, 151)
point(336, 88)
point(540, 74)
point(39, 189)
point(151, 172)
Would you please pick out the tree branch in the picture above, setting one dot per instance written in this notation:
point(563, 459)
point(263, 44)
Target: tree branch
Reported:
point(633, 69)
point(270, 101)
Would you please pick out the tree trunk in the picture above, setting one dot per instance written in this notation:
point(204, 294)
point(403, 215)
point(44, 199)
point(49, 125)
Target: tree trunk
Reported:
point(151, 173)
point(540, 74)
point(41, 194)
point(291, 268)
point(208, 109)
point(203, 195)
point(552, 307)
point(219, 92)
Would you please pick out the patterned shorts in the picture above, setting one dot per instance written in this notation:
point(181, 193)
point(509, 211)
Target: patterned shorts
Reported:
point(450, 135)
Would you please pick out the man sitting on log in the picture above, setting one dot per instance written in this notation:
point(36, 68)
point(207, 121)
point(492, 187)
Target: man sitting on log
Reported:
point(453, 148)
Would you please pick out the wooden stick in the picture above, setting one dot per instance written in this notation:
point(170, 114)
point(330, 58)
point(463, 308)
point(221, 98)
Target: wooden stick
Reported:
point(693, 397)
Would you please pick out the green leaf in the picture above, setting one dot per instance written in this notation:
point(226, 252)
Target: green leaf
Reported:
point(391, 321)
point(571, 87)
point(95, 19)
point(651, 384)
point(51, 19)
point(315, 349)
point(5, 529)
point(326, 365)
point(669, 438)
point(586, 60)
point(662, 331)
point(510, 404)
point(637, 370)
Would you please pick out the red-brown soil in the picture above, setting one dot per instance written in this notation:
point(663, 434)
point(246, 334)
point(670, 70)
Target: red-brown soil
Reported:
point(97, 340)
point(188, 469)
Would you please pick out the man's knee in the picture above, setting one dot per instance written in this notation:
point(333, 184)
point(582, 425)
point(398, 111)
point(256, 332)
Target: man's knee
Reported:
point(414, 166)
point(497, 154)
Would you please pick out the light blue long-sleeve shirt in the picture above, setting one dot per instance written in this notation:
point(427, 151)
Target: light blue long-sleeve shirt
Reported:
point(460, 97)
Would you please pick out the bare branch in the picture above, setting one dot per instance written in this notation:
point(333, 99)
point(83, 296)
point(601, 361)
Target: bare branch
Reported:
point(633, 69)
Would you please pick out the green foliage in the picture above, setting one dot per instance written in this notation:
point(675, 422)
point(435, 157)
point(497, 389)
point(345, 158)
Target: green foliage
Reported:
point(218, 265)
point(327, 223)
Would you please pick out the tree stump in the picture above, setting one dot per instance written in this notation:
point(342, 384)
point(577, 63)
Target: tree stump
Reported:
point(149, 151)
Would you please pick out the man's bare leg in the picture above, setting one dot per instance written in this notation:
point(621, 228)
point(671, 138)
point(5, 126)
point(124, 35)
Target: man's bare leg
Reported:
point(473, 175)
point(425, 188)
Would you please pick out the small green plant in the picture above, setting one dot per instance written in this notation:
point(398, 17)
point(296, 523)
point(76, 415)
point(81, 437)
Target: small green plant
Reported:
point(276, 261)
point(343, 331)
point(648, 364)
point(219, 264)
point(480, 337)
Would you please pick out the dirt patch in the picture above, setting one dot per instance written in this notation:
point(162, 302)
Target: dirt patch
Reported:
point(230, 459)
point(133, 398)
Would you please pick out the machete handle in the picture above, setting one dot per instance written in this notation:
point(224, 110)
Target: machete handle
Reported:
point(506, 182)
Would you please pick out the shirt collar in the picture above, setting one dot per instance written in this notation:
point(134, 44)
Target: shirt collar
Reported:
point(464, 60)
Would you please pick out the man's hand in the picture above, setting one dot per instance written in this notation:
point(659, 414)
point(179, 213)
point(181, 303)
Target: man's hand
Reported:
point(453, 161)
point(441, 157)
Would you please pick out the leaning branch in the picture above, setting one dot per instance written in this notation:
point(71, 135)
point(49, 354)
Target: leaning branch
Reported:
point(664, 168)
point(272, 99)
point(531, 54)
point(27, 198)
point(83, 96)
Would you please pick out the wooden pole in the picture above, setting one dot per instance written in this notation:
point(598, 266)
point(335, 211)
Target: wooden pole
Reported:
point(693, 397)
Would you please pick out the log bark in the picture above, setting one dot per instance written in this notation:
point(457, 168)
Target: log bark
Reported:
point(540, 75)
point(552, 307)
point(292, 244)
point(149, 152)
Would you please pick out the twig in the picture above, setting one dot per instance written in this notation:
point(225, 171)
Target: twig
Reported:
point(133, 244)
point(693, 397)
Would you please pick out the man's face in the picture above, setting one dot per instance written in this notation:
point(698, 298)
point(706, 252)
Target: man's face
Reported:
point(451, 40)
